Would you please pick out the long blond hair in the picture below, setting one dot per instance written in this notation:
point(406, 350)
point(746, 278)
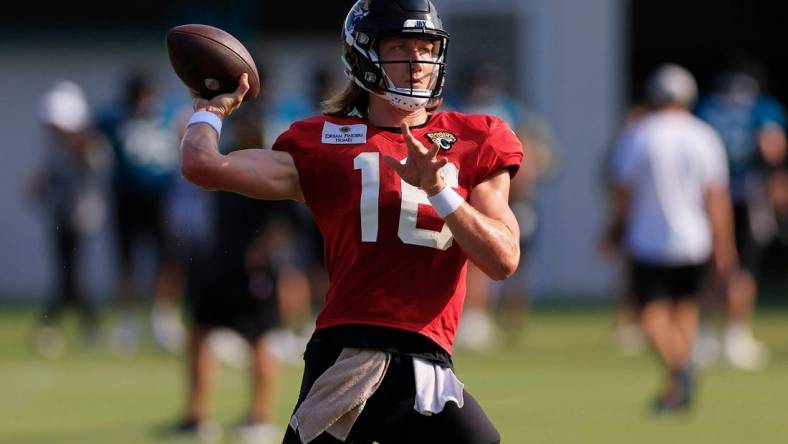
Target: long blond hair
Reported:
point(353, 99)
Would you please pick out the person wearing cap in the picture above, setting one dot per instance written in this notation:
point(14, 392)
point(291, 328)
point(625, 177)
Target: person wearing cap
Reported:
point(144, 143)
point(486, 91)
point(69, 185)
point(671, 185)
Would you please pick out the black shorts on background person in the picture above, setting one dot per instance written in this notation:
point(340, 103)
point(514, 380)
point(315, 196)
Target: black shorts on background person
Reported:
point(650, 282)
point(232, 286)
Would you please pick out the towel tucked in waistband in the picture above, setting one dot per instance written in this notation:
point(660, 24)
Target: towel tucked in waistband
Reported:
point(338, 396)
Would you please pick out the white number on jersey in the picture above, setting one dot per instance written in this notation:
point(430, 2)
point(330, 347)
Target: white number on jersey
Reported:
point(408, 232)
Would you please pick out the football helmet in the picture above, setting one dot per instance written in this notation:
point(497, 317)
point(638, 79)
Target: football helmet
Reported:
point(371, 20)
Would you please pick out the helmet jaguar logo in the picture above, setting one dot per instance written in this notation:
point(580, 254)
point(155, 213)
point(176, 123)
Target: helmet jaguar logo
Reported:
point(358, 12)
point(444, 139)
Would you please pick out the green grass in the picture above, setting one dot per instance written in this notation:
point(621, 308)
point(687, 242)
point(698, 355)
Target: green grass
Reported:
point(564, 382)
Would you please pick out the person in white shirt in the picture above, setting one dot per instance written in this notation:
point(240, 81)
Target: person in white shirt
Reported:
point(671, 188)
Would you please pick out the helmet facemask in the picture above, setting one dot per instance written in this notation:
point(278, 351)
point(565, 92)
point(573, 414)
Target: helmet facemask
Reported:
point(407, 96)
point(365, 67)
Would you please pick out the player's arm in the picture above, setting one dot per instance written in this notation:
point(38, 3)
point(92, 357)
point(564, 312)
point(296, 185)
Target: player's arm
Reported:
point(257, 173)
point(720, 211)
point(486, 229)
point(620, 198)
point(719, 208)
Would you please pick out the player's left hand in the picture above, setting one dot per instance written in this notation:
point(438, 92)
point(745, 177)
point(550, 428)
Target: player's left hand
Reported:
point(421, 169)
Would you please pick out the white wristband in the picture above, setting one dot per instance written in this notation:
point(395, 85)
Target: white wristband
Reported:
point(206, 117)
point(446, 202)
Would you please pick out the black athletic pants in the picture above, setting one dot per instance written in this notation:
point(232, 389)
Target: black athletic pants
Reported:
point(67, 292)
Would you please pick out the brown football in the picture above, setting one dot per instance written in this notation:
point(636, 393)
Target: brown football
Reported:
point(210, 60)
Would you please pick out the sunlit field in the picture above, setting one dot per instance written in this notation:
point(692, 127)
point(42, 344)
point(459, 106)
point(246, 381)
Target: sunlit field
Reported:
point(563, 382)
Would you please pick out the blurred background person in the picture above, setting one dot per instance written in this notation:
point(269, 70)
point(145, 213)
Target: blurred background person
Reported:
point(752, 127)
point(234, 283)
point(324, 82)
point(486, 92)
point(146, 159)
point(777, 190)
point(307, 282)
point(69, 184)
point(671, 185)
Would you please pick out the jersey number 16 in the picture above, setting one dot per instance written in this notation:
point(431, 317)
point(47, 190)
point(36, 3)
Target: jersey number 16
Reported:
point(408, 232)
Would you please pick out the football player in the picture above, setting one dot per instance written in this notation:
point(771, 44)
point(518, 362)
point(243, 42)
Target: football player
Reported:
point(404, 196)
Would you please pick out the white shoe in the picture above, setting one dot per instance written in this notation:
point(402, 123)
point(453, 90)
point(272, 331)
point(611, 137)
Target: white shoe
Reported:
point(259, 433)
point(168, 330)
point(477, 331)
point(743, 352)
point(287, 346)
point(229, 347)
point(208, 432)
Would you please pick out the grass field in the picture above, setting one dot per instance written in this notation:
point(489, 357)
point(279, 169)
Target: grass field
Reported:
point(564, 382)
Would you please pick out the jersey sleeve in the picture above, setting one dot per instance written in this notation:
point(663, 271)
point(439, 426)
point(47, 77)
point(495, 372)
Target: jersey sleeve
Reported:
point(300, 141)
point(500, 150)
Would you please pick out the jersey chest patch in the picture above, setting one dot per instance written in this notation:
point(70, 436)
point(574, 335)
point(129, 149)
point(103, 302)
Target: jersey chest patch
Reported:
point(334, 134)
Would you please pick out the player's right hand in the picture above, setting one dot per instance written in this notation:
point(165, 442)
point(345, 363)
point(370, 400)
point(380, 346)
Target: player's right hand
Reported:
point(223, 105)
point(422, 168)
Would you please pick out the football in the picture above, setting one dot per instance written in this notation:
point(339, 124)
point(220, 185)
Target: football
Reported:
point(210, 60)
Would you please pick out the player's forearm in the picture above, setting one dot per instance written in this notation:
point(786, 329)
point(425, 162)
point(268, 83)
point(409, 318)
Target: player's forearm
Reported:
point(720, 212)
point(488, 243)
point(199, 153)
point(619, 208)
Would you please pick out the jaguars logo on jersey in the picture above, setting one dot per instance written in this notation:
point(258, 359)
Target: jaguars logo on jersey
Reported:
point(444, 139)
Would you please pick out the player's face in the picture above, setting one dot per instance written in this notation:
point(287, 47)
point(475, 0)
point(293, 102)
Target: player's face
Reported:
point(409, 49)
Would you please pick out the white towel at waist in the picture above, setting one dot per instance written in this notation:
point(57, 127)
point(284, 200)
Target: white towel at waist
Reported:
point(435, 386)
point(338, 396)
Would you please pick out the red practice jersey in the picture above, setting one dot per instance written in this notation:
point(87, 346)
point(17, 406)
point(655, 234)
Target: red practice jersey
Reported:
point(391, 260)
